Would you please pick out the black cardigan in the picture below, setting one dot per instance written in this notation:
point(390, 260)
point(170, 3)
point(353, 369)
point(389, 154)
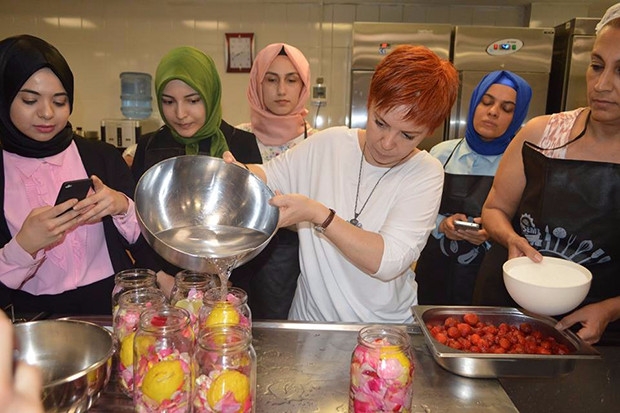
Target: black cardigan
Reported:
point(157, 146)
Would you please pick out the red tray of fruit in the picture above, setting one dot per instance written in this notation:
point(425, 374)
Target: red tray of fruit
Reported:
point(488, 342)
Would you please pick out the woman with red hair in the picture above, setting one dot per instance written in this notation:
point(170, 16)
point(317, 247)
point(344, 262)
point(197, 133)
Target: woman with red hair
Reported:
point(365, 201)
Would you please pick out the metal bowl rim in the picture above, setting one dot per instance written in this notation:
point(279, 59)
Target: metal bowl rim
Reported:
point(88, 369)
point(211, 158)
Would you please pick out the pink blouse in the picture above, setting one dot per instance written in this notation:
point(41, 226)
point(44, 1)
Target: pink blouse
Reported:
point(558, 132)
point(82, 258)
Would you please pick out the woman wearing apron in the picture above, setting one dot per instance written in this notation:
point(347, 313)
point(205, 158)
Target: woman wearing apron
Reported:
point(557, 193)
point(278, 92)
point(446, 271)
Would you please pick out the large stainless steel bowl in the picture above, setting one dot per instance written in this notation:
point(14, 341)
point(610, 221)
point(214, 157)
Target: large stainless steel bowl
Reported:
point(202, 214)
point(75, 358)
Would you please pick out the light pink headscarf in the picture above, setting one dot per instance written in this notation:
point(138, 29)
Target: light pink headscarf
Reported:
point(269, 128)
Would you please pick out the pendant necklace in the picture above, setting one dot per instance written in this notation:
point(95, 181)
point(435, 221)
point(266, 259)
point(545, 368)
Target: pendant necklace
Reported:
point(354, 220)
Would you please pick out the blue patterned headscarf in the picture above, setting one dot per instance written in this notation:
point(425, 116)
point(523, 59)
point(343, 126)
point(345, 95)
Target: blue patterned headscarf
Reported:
point(498, 145)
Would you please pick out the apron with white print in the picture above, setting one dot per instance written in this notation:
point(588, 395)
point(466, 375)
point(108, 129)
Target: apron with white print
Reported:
point(447, 269)
point(569, 209)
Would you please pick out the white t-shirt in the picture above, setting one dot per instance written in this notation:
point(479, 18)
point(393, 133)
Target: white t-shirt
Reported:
point(402, 209)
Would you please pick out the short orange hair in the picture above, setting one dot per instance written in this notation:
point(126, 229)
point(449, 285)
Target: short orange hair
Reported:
point(416, 77)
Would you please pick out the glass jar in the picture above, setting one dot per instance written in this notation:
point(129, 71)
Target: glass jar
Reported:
point(381, 371)
point(129, 280)
point(131, 304)
point(189, 290)
point(233, 311)
point(226, 375)
point(163, 368)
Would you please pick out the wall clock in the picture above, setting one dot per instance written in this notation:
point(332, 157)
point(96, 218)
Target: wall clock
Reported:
point(239, 52)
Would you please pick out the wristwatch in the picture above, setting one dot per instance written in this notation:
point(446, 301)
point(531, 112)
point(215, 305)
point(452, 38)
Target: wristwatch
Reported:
point(321, 228)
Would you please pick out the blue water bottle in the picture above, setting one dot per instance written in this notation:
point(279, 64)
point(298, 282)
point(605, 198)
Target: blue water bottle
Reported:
point(136, 95)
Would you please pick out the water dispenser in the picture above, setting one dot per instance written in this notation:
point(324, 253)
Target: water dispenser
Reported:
point(136, 95)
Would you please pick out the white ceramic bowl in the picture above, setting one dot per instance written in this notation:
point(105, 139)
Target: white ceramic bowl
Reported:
point(552, 287)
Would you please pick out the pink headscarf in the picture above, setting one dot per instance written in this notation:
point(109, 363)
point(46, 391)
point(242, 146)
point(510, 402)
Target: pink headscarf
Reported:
point(269, 128)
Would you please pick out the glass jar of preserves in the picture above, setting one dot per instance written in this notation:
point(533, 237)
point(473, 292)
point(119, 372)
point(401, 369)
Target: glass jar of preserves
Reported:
point(131, 304)
point(131, 279)
point(233, 310)
point(381, 371)
point(226, 375)
point(189, 290)
point(163, 369)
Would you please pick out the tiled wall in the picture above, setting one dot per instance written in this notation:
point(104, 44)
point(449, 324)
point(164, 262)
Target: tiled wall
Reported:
point(101, 39)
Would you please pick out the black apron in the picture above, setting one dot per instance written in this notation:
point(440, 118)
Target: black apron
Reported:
point(569, 209)
point(447, 269)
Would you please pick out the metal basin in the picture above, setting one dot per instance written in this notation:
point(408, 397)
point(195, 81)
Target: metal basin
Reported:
point(490, 365)
point(203, 214)
point(75, 358)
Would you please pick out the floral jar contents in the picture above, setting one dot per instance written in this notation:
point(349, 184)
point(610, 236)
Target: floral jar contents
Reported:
point(226, 377)
point(381, 371)
point(131, 304)
point(163, 368)
point(131, 279)
point(231, 311)
point(189, 290)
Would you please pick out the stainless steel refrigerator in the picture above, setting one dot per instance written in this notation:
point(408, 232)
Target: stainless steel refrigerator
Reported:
point(478, 50)
point(372, 41)
point(571, 56)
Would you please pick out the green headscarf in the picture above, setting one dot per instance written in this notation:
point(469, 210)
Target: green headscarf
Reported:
point(195, 68)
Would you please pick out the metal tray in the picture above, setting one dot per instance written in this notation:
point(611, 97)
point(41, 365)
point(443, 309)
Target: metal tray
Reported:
point(479, 365)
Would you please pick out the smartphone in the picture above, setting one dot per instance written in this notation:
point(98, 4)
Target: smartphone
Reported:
point(77, 189)
point(467, 225)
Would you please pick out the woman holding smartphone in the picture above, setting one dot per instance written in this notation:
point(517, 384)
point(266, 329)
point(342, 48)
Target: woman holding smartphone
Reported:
point(61, 258)
point(447, 269)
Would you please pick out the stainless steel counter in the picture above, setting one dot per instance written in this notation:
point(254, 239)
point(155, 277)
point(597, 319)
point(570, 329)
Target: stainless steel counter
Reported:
point(593, 387)
point(304, 367)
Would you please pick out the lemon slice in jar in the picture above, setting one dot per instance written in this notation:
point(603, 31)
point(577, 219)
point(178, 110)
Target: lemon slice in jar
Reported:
point(223, 313)
point(192, 306)
point(127, 350)
point(126, 355)
point(229, 381)
point(162, 380)
point(394, 353)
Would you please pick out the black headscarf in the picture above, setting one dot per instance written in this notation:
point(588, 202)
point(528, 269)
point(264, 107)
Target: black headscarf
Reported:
point(20, 57)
